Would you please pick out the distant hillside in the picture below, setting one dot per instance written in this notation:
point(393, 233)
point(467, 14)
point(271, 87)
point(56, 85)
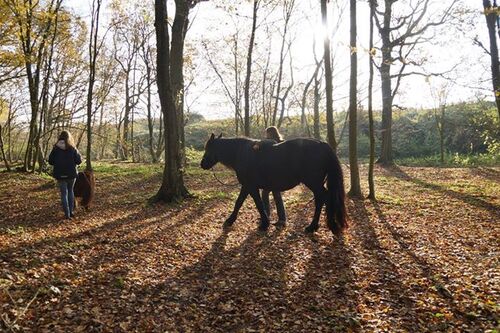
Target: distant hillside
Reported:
point(470, 128)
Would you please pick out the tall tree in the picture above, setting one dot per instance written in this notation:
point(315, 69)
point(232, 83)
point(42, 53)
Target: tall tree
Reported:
point(127, 44)
point(11, 64)
point(400, 34)
point(249, 67)
point(316, 93)
point(371, 181)
point(2, 150)
point(93, 52)
point(303, 117)
point(172, 187)
point(330, 129)
point(179, 30)
point(317, 98)
point(44, 97)
point(491, 14)
point(234, 94)
point(355, 190)
point(288, 8)
point(34, 25)
point(282, 99)
point(440, 95)
point(146, 54)
point(3, 109)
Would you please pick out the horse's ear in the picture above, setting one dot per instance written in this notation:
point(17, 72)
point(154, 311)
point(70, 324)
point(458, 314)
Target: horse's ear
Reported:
point(220, 136)
point(212, 136)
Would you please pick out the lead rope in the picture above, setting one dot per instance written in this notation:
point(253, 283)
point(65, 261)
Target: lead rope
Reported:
point(222, 183)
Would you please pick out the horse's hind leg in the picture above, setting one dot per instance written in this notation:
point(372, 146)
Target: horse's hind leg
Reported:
point(319, 200)
point(264, 219)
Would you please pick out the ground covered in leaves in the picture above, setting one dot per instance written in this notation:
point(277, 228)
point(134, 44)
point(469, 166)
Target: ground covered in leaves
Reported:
point(425, 257)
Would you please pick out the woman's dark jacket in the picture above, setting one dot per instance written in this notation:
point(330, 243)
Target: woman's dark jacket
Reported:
point(64, 162)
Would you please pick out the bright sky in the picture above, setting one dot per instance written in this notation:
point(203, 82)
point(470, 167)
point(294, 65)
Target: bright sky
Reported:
point(449, 48)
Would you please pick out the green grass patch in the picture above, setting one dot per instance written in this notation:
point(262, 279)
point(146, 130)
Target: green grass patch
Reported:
point(452, 161)
point(15, 230)
point(214, 195)
point(194, 156)
point(120, 169)
point(389, 199)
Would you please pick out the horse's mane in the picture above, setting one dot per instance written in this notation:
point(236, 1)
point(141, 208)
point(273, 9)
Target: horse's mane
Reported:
point(227, 148)
point(239, 140)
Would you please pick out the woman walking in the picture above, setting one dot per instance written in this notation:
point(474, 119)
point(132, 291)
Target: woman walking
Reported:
point(272, 133)
point(65, 158)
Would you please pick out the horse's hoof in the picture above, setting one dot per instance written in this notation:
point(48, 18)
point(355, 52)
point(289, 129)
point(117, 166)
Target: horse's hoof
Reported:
point(263, 227)
point(280, 224)
point(228, 223)
point(310, 229)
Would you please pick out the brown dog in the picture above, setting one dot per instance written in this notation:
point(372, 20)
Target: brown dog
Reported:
point(85, 188)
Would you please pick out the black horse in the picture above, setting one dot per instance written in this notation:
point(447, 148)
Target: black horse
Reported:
point(281, 167)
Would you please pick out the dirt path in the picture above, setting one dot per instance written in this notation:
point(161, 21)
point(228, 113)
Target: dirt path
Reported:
point(424, 258)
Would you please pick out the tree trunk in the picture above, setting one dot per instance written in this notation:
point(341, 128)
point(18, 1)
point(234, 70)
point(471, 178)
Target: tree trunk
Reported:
point(161, 139)
point(386, 153)
point(316, 131)
point(118, 143)
point(303, 118)
point(132, 141)
point(371, 182)
point(441, 143)
point(7, 166)
point(179, 30)
point(385, 77)
point(287, 91)
point(33, 91)
point(150, 116)
point(355, 190)
point(93, 51)
point(126, 121)
point(265, 105)
point(491, 18)
point(328, 80)
point(237, 101)
point(100, 152)
point(282, 59)
point(9, 133)
point(39, 155)
point(172, 187)
point(440, 125)
point(249, 69)
point(34, 53)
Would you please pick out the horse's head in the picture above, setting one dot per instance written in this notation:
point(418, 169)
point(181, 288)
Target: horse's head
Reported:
point(210, 157)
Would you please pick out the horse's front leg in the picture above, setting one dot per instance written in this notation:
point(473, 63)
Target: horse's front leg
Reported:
point(264, 219)
point(237, 205)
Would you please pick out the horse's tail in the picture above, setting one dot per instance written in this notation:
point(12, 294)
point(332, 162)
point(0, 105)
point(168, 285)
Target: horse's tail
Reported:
point(91, 191)
point(335, 201)
point(85, 188)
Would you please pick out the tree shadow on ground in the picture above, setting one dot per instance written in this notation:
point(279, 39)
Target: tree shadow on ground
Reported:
point(114, 232)
point(430, 272)
point(48, 185)
point(251, 285)
point(487, 173)
point(388, 288)
point(466, 198)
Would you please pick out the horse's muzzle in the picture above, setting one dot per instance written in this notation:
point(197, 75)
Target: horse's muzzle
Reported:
point(205, 165)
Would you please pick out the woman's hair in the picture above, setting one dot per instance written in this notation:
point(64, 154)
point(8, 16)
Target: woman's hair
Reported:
point(67, 138)
point(272, 132)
